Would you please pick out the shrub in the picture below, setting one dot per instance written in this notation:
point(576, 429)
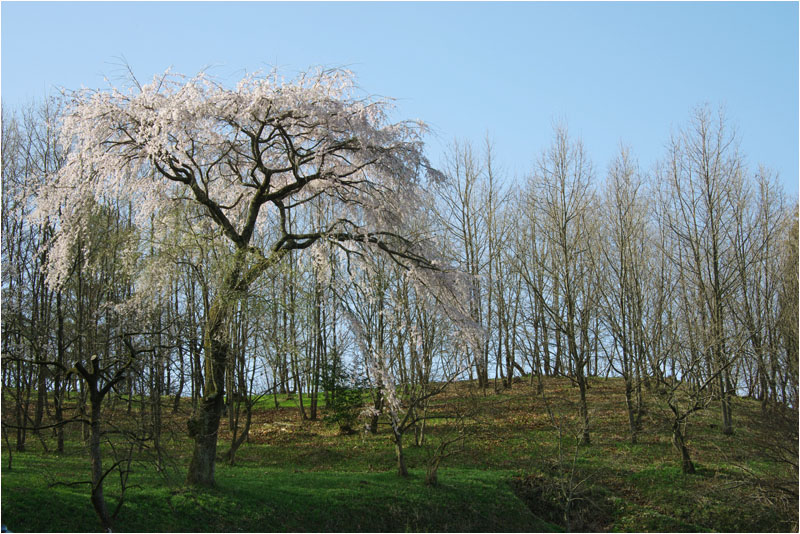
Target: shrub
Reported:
point(345, 397)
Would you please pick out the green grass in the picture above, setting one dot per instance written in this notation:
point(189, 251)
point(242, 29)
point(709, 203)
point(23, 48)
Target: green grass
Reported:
point(288, 401)
point(297, 475)
point(269, 499)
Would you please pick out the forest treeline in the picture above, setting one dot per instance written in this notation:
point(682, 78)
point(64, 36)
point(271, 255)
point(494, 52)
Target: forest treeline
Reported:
point(680, 278)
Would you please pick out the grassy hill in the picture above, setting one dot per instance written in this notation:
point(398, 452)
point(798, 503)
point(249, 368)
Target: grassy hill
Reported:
point(511, 473)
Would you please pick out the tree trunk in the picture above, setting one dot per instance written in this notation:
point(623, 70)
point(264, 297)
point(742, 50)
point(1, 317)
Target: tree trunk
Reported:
point(21, 409)
point(432, 474)
point(398, 449)
point(97, 498)
point(725, 398)
point(181, 381)
point(41, 397)
point(204, 423)
point(203, 427)
point(678, 440)
point(373, 422)
point(585, 439)
point(59, 388)
point(237, 441)
point(96, 395)
point(631, 410)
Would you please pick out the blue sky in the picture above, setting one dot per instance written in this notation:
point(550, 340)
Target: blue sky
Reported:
point(615, 72)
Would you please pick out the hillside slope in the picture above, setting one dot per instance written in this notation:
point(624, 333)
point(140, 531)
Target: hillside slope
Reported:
point(507, 474)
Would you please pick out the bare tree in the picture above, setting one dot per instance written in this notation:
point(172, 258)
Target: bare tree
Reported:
point(464, 218)
point(787, 300)
point(625, 255)
point(564, 203)
point(758, 215)
point(703, 174)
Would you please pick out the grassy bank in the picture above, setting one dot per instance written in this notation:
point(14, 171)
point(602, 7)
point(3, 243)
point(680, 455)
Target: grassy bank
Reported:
point(510, 475)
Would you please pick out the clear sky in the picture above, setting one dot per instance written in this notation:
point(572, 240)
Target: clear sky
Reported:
point(615, 72)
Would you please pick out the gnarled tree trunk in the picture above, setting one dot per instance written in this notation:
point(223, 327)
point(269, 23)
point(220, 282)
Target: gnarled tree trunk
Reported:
point(204, 423)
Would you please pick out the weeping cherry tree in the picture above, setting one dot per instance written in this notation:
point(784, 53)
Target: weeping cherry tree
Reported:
point(252, 159)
